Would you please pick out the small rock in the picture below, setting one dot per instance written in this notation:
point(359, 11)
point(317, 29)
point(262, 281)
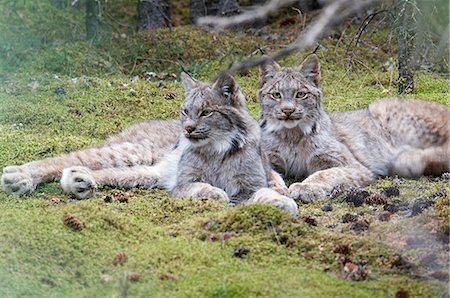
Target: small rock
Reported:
point(359, 226)
point(360, 213)
point(240, 252)
point(327, 207)
point(349, 218)
point(390, 192)
point(60, 90)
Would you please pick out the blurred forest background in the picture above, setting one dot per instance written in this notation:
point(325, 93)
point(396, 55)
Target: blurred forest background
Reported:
point(119, 36)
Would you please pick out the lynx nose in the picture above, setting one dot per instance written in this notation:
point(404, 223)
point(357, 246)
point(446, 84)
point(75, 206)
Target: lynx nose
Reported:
point(287, 111)
point(189, 128)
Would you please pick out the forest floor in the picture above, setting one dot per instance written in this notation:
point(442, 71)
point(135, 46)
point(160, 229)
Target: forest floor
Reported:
point(389, 240)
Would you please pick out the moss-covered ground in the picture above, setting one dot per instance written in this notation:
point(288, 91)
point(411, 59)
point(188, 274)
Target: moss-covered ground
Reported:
point(57, 96)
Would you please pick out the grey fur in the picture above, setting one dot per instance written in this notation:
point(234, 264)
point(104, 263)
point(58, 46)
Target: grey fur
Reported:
point(348, 149)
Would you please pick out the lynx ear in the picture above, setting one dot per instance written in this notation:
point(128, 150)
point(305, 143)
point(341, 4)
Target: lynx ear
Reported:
point(310, 68)
point(188, 82)
point(267, 71)
point(229, 89)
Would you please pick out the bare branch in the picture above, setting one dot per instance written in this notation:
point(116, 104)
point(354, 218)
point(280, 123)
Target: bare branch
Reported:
point(257, 13)
point(331, 15)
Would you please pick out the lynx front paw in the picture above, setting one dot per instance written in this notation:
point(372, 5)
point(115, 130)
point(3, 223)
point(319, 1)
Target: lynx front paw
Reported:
point(209, 191)
point(307, 192)
point(271, 197)
point(17, 181)
point(78, 181)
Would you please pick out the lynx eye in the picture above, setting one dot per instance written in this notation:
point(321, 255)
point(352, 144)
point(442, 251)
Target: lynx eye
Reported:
point(206, 113)
point(300, 95)
point(184, 112)
point(275, 95)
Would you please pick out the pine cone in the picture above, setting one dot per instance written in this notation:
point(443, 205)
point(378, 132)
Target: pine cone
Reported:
point(376, 199)
point(72, 222)
point(120, 259)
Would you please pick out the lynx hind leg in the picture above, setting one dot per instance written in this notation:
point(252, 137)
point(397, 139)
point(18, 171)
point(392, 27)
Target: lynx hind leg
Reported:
point(17, 181)
point(417, 162)
point(78, 181)
point(271, 197)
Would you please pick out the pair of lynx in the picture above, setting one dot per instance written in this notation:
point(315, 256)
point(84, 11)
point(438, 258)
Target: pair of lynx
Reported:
point(221, 152)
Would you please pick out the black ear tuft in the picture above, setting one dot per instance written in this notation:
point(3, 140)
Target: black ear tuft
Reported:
point(310, 68)
point(267, 71)
point(188, 82)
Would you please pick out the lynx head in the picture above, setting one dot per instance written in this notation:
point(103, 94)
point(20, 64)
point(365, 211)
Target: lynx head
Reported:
point(214, 115)
point(290, 97)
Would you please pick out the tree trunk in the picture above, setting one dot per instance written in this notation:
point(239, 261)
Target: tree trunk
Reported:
point(405, 32)
point(201, 8)
point(153, 14)
point(92, 19)
point(228, 7)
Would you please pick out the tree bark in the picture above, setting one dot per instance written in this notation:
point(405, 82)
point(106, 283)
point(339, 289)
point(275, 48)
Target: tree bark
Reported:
point(153, 14)
point(201, 8)
point(92, 19)
point(228, 7)
point(405, 32)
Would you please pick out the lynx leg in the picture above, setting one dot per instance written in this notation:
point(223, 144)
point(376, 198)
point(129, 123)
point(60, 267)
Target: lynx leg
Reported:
point(22, 180)
point(417, 162)
point(320, 184)
point(82, 182)
point(271, 197)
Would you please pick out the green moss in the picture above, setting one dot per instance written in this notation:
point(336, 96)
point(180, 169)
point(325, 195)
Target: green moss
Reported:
point(177, 246)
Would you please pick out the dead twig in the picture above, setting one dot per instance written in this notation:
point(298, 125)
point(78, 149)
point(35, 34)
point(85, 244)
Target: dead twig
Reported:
point(257, 13)
point(331, 15)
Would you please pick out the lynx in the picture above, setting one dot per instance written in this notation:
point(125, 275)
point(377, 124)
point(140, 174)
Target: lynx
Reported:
point(217, 154)
point(408, 138)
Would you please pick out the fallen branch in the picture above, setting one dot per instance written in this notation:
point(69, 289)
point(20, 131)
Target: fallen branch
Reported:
point(251, 15)
point(331, 15)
